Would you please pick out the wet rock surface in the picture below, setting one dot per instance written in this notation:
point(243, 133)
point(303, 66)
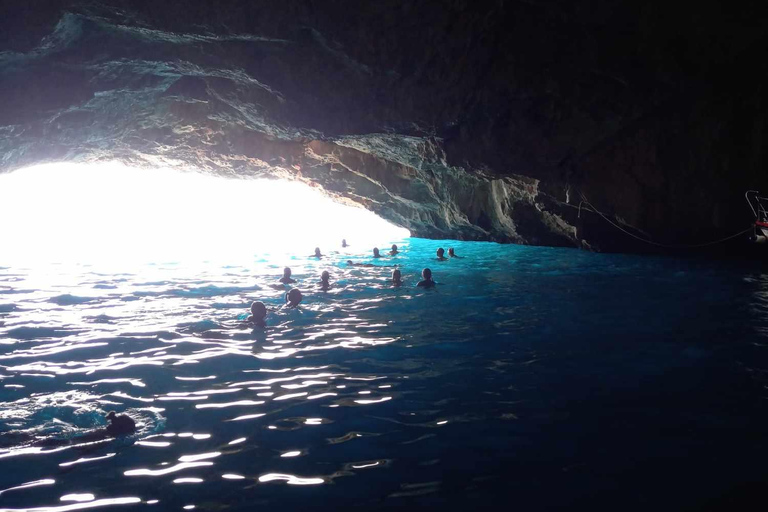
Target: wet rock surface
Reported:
point(474, 120)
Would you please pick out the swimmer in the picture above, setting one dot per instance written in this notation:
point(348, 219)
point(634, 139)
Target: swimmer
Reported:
point(286, 279)
point(324, 280)
point(393, 251)
point(441, 254)
point(376, 253)
point(292, 298)
point(121, 424)
point(397, 277)
point(426, 281)
point(344, 242)
point(353, 264)
point(452, 254)
point(258, 314)
point(317, 254)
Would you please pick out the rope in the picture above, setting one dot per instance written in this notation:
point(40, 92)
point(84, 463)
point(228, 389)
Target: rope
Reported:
point(667, 246)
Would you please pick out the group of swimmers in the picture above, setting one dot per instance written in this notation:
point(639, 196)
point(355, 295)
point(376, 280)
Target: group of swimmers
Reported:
point(294, 296)
point(122, 424)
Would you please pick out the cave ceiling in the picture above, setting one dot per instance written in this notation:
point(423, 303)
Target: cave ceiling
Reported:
point(480, 120)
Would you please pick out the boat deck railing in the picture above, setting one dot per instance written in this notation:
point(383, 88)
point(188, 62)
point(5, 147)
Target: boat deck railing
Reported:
point(758, 205)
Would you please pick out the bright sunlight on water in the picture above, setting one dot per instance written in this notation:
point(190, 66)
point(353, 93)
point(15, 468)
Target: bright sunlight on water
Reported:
point(530, 378)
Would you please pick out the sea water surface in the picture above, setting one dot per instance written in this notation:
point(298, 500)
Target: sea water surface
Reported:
point(529, 379)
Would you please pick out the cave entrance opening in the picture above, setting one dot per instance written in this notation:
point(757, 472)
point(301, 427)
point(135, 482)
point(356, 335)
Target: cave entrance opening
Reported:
point(107, 212)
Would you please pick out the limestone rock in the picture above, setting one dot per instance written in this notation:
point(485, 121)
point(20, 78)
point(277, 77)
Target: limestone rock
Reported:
point(481, 120)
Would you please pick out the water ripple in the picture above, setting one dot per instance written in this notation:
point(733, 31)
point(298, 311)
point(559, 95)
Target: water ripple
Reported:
point(525, 370)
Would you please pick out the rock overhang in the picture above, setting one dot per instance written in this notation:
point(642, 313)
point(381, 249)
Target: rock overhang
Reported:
point(435, 123)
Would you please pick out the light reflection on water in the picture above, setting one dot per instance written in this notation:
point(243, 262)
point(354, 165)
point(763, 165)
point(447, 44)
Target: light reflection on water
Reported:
point(526, 371)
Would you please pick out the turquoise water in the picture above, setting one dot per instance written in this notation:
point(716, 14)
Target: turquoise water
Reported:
point(533, 378)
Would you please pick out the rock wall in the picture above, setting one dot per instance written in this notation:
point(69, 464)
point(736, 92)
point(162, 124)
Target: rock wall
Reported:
point(475, 120)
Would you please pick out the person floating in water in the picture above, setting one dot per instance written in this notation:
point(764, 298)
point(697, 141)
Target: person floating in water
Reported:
point(441, 254)
point(317, 254)
point(376, 252)
point(325, 280)
point(286, 279)
point(452, 254)
point(394, 250)
point(293, 298)
point(426, 281)
point(120, 424)
point(344, 242)
point(397, 277)
point(258, 315)
point(354, 264)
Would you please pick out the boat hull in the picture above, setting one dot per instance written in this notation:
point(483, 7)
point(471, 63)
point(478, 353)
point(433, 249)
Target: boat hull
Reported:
point(761, 232)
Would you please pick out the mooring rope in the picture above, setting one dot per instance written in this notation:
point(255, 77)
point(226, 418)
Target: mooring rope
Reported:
point(650, 242)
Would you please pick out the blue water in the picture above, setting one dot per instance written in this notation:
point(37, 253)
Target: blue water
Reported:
point(530, 378)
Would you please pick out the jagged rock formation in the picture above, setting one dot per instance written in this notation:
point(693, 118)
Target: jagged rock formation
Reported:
point(464, 119)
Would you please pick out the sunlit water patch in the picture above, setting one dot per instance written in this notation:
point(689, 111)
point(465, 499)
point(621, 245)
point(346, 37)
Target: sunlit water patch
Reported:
point(544, 378)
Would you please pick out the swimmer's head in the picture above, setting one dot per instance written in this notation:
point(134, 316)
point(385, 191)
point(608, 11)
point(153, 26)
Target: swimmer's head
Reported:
point(349, 262)
point(394, 248)
point(440, 252)
point(344, 242)
point(258, 309)
point(317, 252)
point(450, 252)
point(111, 415)
point(325, 276)
point(396, 275)
point(287, 272)
point(376, 251)
point(293, 297)
point(426, 274)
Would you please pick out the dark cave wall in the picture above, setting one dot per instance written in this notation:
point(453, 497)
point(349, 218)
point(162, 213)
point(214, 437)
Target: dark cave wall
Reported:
point(476, 120)
point(680, 173)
